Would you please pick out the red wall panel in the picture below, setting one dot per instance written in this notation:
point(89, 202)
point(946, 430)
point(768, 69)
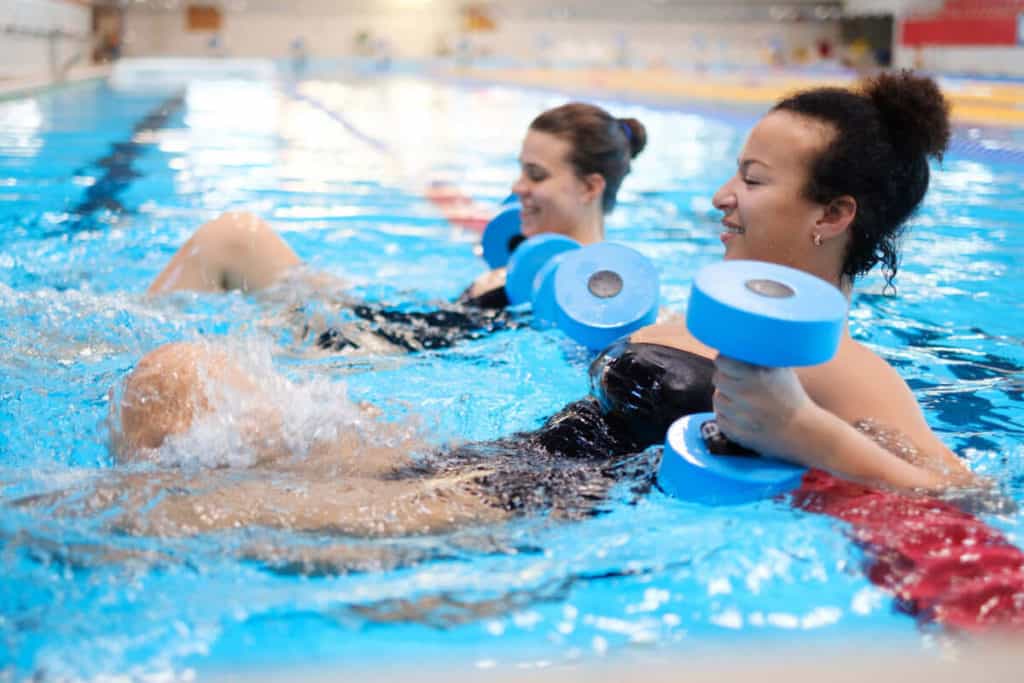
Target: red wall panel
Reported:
point(950, 31)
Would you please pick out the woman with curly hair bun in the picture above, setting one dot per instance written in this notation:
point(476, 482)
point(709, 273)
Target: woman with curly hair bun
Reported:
point(825, 183)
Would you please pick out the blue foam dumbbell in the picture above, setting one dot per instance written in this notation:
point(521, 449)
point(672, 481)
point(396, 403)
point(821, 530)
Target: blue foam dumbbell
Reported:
point(690, 471)
point(764, 314)
point(503, 233)
point(531, 270)
point(604, 291)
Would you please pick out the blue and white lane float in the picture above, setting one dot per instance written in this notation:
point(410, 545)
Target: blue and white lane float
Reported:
point(764, 314)
point(503, 233)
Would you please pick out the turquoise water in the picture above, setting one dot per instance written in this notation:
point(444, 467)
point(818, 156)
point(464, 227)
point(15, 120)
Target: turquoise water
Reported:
point(98, 189)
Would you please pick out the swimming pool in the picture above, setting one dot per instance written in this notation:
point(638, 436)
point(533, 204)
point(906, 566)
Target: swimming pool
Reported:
point(98, 189)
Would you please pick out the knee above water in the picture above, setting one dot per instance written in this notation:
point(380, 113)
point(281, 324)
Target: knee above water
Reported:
point(232, 226)
point(161, 397)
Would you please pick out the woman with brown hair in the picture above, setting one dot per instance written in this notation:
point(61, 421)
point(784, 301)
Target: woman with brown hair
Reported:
point(572, 162)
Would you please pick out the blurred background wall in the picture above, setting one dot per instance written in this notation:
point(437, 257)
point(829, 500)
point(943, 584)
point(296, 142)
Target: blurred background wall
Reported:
point(983, 37)
point(40, 37)
point(524, 32)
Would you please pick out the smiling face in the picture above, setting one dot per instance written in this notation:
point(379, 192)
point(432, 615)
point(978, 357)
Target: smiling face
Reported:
point(767, 217)
point(554, 198)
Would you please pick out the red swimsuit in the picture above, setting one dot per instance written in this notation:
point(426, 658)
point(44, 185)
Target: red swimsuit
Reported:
point(941, 563)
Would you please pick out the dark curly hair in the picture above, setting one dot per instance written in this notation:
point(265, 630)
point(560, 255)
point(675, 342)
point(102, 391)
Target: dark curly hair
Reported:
point(599, 142)
point(884, 134)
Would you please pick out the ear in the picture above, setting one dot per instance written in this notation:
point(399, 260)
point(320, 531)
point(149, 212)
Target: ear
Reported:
point(593, 187)
point(837, 217)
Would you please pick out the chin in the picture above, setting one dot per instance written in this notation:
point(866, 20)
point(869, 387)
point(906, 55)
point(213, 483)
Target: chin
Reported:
point(530, 226)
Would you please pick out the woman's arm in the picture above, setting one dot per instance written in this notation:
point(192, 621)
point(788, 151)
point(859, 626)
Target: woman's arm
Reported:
point(769, 410)
point(808, 415)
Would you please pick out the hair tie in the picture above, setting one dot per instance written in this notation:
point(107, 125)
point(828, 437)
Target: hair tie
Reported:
point(627, 130)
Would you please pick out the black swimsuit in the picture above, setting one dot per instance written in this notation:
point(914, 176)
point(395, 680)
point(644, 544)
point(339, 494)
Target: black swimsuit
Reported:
point(569, 465)
point(467, 318)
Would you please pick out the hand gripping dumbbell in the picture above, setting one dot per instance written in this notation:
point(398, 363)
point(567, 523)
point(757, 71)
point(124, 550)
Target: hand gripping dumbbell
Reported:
point(767, 315)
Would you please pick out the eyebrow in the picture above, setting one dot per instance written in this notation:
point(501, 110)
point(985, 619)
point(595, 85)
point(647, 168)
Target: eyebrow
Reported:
point(745, 164)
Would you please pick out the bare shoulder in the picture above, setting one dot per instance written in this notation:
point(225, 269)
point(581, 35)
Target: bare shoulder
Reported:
point(863, 390)
point(857, 384)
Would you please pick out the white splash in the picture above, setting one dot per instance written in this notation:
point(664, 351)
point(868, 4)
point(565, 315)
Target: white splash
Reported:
point(287, 417)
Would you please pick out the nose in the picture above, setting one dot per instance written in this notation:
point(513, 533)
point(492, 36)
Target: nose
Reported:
point(519, 187)
point(724, 198)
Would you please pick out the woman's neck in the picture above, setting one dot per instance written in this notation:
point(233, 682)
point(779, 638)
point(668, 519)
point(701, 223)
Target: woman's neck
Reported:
point(590, 230)
point(826, 262)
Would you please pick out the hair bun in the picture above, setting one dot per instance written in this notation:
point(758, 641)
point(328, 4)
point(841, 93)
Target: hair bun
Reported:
point(637, 136)
point(914, 111)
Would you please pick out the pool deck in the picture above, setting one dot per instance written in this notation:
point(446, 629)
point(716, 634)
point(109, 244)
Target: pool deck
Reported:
point(978, 102)
point(975, 101)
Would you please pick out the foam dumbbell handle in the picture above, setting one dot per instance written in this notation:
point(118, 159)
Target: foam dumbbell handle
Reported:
point(690, 471)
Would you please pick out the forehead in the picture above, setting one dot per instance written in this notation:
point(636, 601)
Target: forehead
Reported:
point(544, 149)
point(785, 140)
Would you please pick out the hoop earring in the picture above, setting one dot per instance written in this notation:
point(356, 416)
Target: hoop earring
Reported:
point(817, 239)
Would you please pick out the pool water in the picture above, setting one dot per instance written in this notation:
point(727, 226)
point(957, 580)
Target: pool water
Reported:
point(99, 188)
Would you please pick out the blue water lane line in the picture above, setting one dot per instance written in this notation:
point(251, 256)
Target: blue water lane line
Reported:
point(118, 172)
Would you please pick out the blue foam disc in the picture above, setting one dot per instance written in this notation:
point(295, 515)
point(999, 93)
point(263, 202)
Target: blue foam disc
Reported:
point(511, 199)
point(605, 291)
point(690, 472)
point(500, 235)
point(527, 261)
point(545, 308)
point(766, 314)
